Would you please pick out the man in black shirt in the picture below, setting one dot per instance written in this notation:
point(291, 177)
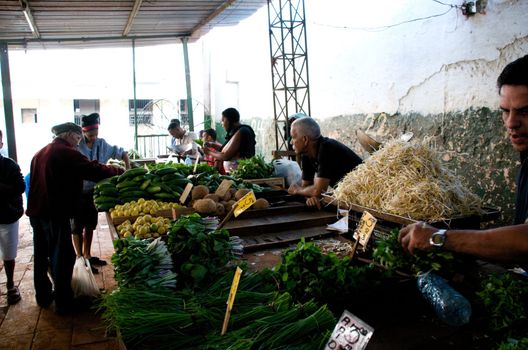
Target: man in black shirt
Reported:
point(324, 161)
point(508, 243)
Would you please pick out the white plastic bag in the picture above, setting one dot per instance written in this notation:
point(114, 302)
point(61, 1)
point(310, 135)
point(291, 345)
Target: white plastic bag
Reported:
point(289, 169)
point(83, 281)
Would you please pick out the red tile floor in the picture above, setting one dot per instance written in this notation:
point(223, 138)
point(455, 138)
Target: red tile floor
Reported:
point(27, 326)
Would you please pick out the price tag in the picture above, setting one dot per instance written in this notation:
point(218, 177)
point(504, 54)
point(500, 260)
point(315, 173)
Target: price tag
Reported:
point(365, 228)
point(224, 186)
point(196, 163)
point(186, 192)
point(231, 298)
point(244, 203)
point(350, 333)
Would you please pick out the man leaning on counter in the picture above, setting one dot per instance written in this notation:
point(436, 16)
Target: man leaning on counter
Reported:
point(324, 161)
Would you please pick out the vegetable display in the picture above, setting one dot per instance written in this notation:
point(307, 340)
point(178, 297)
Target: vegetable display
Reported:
point(505, 299)
point(306, 273)
point(261, 318)
point(164, 184)
point(141, 263)
point(253, 168)
point(199, 251)
point(390, 254)
point(407, 179)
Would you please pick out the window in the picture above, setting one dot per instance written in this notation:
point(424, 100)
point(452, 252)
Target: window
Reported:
point(144, 111)
point(29, 115)
point(85, 107)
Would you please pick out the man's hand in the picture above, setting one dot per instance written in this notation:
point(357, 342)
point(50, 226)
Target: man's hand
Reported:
point(293, 189)
point(314, 202)
point(416, 236)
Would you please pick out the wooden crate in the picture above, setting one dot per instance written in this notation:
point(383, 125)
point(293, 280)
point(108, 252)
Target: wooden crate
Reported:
point(270, 181)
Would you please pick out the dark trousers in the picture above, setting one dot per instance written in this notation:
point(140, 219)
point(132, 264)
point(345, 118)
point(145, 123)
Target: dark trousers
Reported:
point(53, 248)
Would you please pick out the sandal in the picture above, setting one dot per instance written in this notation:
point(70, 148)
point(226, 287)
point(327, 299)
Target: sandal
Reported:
point(96, 261)
point(13, 296)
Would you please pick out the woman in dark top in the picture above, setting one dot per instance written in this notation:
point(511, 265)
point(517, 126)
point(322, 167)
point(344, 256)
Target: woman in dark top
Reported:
point(239, 144)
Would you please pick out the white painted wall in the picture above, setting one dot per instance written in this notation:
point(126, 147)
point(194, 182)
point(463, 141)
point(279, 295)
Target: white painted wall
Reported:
point(358, 65)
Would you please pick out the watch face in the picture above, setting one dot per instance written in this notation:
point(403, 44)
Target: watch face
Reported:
point(438, 239)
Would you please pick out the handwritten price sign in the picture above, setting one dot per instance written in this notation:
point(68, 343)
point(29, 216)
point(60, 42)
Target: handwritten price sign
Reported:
point(365, 228)
point(244, 203)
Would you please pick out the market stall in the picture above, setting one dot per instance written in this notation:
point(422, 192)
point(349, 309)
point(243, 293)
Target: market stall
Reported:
point(181, 279)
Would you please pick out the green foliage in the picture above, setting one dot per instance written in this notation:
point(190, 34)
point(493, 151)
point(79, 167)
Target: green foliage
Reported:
point(391, 255)
point(505, 300)
point(514, 344)
point(253, 168)
point(306, 273)
point(199, 253)
point(142, 263)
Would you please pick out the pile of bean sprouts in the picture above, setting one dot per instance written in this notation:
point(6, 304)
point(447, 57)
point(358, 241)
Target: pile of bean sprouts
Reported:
point(407, 179)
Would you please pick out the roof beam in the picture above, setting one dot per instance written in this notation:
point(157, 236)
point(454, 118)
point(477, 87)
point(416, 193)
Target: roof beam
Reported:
point(132, 17)
point(213, 14)
point(29, 18)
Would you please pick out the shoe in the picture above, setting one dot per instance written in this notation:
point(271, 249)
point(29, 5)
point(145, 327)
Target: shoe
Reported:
point(96, 261)
point(13, 295)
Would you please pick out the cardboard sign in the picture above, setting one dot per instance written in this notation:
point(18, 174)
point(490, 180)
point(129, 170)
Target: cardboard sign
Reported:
point(231, 298)
point(365, 228)
point(224, 186)
point(196, 163)
point(186, 192)
point(350, 333)
point(244, 203)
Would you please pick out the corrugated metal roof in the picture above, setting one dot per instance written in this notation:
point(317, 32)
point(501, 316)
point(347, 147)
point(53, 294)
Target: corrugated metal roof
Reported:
point(99, 23)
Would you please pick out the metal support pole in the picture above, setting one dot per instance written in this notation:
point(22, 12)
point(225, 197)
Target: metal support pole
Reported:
point(135, 104)
point(289, 64)
point(8, 101)
point(188, 84)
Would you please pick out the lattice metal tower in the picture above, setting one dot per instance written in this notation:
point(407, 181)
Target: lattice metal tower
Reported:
point(289, 64)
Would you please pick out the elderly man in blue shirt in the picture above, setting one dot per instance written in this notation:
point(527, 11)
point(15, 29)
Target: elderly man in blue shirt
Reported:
point(85, 221)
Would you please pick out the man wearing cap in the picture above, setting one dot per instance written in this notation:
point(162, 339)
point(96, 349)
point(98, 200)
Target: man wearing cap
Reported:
point(85, 220)
point(57, 174)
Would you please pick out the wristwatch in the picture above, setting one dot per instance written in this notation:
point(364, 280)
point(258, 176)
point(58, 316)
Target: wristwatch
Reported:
point(438, 238)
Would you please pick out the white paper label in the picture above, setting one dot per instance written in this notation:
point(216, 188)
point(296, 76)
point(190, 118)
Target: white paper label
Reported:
point(350, 333)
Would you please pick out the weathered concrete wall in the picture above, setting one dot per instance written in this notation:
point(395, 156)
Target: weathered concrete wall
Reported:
point(473, 143)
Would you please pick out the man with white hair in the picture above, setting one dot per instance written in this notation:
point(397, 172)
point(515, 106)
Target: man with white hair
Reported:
point(55, 190)
point(324, 161)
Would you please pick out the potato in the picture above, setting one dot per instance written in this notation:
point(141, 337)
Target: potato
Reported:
point(199, 192)
point(220, 210)
point(205, 206)
point(229, 205)
point(227, 196)
point(261, 203)
point(213, 197)
point(241, 193)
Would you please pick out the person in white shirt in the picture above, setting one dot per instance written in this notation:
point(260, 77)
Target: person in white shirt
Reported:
point(3, 151)
point(182, 140)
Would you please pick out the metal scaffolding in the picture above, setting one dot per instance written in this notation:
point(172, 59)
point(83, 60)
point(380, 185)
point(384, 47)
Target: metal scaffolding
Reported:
point(289, 65)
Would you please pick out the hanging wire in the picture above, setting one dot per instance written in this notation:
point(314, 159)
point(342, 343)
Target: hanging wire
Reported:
point(383, 28)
